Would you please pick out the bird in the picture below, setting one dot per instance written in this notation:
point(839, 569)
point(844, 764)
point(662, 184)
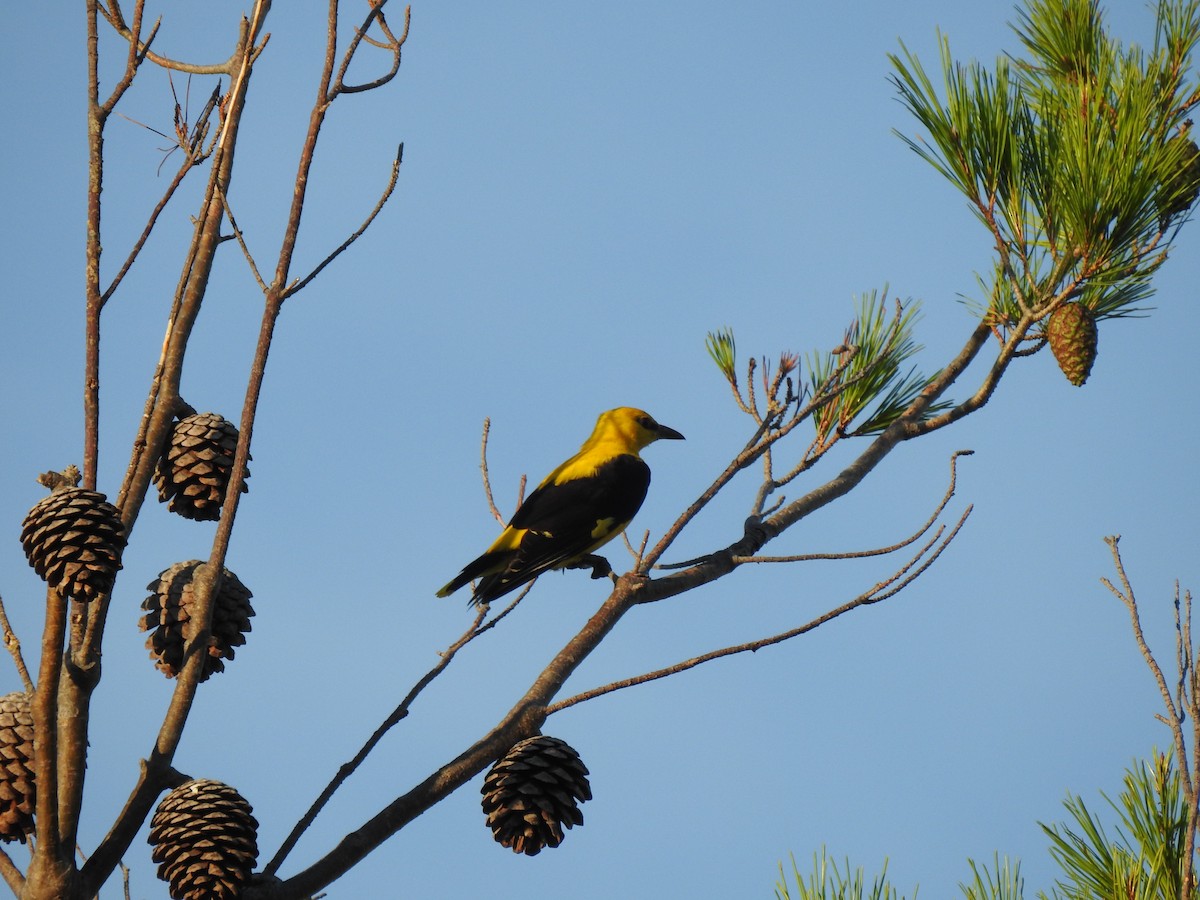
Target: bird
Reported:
point(580, 506)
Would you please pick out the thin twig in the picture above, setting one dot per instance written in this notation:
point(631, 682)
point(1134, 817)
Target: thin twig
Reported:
point(137, 53)
point(241, 240)
point(13, 643)
point(112, 14)
point(188, 164)
point(393, 44)
point(1183, 705)
point(483, 467)
point(12, 876)
point(387, 193)
point(1126, 596)
point(875, 594)
point(862, 554)
point(476, 628)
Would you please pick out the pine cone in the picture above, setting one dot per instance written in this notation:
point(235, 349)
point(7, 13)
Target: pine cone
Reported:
point(168, 612)
point(74, 539)
point(194, 471)
point(1072, 334)
point(17, 791)
point(205, 841)
point(531, 793)
point(1182, 190)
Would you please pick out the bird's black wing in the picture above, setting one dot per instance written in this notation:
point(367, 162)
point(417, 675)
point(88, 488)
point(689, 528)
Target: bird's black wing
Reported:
point(567, 519)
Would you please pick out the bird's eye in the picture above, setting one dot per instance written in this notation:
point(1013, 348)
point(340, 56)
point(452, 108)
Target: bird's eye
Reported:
point(646, 422)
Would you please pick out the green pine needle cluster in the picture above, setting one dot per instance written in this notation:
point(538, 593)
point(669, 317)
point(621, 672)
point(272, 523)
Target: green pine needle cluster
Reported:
point(723, 350)
point(1069, 156)
point(875, 387)
point(1139, 859)
point(858, 389)
point(1144, 858)
point(1005, 884)
point(827, 882)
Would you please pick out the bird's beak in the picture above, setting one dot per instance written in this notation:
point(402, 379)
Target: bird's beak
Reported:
point(669, 434)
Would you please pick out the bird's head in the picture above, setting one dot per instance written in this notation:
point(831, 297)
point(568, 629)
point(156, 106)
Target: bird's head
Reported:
point(635, 428)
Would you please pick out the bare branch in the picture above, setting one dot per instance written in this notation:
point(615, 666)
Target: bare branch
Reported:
point(400, 712)
point(387, 193)
point(392, 44)
point(112, 14)
point(188, 164)
point(880, 551)
point(879, 592)
point(1125, 595)
point(161, 408)
point(137, 53)
point(241, 241)
point(13, 644)
point(483, 467)
point(49, 853)
point(12, 876)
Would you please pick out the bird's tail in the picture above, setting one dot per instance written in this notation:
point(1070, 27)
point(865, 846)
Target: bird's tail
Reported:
point(488, 564)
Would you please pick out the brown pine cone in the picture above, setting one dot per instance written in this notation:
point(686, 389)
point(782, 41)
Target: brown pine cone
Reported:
point(193, 472)
point(205, 841)
point(532, 792)
point(168, 615)
point(74, 539)
point(18, 795)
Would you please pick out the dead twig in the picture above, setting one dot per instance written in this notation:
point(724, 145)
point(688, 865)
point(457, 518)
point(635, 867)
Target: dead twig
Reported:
point(477, 627)
point(483, 467)
point(882, 590)
point(113, 16)
point(194, 158)
point(392, 44)
point(299, 285)
point(13, 644)
point(241, 240)
point(1182, 705)
point(862, 554)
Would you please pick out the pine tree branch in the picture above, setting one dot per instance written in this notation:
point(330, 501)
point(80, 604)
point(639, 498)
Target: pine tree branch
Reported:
point(383, 199)
point(13, 644)
point(162, 408)
point(113, 15)
point(883, 590)
point(1125, 595)
point(51, 853)
point(400, 712)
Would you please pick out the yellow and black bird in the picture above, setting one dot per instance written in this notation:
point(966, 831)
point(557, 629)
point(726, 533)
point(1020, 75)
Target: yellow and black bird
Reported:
point(579, 507)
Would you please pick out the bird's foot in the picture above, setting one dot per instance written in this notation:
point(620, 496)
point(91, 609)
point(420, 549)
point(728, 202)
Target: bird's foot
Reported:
point(598, 564)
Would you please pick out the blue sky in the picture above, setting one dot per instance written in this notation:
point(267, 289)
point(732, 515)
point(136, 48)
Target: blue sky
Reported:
point(586, 192)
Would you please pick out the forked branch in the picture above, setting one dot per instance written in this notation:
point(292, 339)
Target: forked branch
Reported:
point(1181, 706)
point(925, 556)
